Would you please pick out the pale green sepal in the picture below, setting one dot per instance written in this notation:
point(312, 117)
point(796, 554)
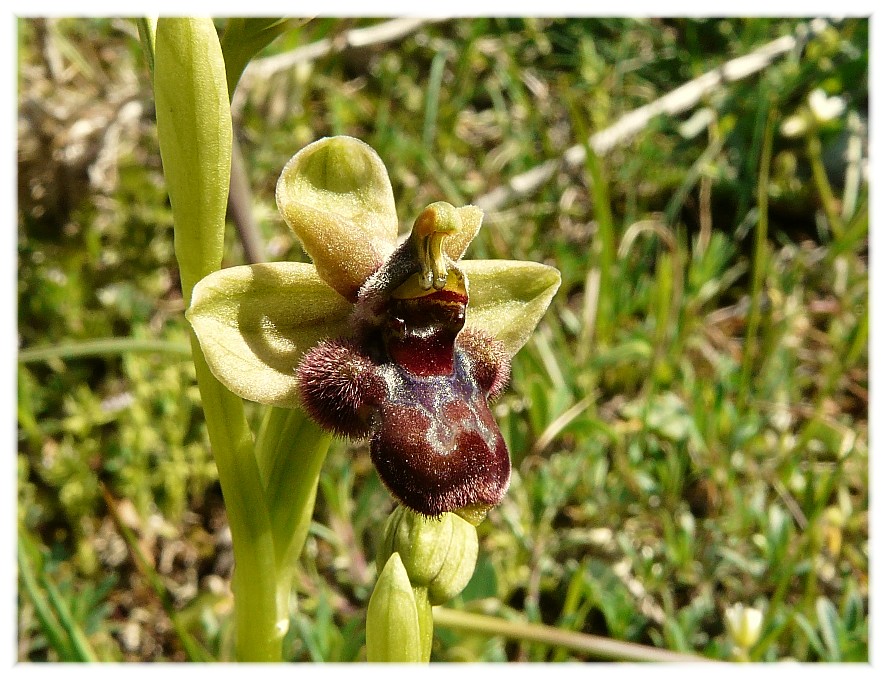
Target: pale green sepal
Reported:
point(336, 196)
point(393, 633)
point(195, 132)
point(508, 298)
point(438, 553)
point(255, 322)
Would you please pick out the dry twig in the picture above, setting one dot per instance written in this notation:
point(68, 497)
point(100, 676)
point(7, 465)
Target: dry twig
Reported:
point(262, 69)
point(676, 101)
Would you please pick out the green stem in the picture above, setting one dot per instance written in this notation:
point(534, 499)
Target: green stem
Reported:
point(595, 646)
point(425, 621)
point(290, 451)
point(819, 173)
point(260, 628)
point(102, 347)
point(194, 129)
point(760, 260)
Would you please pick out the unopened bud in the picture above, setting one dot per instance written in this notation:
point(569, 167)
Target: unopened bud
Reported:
point(393, 633)
point(438, 553)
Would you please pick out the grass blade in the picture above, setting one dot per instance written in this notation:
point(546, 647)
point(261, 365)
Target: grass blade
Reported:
point(54, 632)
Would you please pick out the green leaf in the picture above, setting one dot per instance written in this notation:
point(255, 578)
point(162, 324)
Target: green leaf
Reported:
point(147, 34)
point(67, 635)
point(244, 38)
point(393, 633)
point(255, 322)
point(290, 449)
point(28, 573)
point(828, 619)
point(336, 196)
point(507, 298)
point(811, 635)
point(195, 132)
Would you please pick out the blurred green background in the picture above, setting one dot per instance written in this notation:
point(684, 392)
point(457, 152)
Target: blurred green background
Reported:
point(688, 426)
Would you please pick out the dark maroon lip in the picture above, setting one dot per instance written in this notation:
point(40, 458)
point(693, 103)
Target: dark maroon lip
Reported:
point(434, 441)
point(423, 357)
point(436, 445)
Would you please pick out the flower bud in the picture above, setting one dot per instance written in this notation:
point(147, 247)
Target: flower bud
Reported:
point(393, 633)
point(437, 553)
point(744, 625)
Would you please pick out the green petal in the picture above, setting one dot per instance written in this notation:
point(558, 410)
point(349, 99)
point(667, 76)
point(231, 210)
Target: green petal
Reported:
point(336, 196)
point(255, 322)
point(507, 299)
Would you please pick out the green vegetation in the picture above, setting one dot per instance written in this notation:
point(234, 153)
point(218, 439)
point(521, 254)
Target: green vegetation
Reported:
point(688, 425)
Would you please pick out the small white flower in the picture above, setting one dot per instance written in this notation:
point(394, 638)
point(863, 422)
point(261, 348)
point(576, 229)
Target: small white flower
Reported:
point(825, 108)
point(744, 625)
point(794, 126)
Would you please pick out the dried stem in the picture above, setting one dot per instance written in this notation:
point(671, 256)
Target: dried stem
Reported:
point(676, 101)
point(262, 69)
point(595, 646)
point(239, 207)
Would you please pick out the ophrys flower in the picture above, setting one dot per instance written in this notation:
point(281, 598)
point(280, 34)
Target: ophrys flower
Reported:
point(404, 344)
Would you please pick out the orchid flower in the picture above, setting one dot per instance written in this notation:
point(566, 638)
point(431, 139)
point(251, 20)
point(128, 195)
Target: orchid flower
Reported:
point(403, 344)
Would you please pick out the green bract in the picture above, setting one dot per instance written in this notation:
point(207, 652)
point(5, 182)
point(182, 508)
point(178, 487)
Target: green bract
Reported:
point(195, 131)
point(393, 630)
point(255, 322)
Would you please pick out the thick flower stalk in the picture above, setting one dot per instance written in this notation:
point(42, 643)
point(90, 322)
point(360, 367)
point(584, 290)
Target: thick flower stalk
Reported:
point(405, 345)
point(194, 131)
